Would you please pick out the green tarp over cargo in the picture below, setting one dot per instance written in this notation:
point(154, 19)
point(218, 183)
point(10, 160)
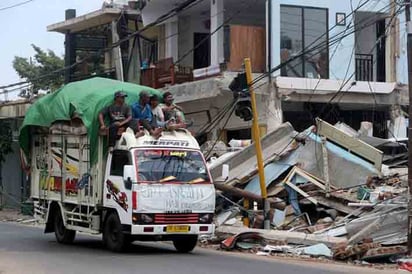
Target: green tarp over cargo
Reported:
point(85, 98)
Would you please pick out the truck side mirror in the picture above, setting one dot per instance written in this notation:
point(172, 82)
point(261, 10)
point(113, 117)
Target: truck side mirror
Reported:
point(129, 176)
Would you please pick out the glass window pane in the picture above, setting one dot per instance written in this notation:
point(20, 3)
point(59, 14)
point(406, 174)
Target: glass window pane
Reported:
point(315, 27)
point(291, 40)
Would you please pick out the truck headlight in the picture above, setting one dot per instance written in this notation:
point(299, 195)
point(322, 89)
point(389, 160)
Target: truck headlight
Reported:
point(206, 218)
point(139, 218)
point(146, 218)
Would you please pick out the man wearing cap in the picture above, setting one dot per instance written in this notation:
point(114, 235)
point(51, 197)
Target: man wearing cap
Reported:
point(119, 115)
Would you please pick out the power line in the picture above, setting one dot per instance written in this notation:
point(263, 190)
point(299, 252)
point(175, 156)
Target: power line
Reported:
point(233, 108)
point(182, 7)
point(16, 5)
point(346, 82)
point(332, 41)
point(230, 18)
point(309, 48)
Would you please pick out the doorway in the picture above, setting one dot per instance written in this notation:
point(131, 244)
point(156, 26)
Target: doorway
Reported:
point(381, 51)
point(201, 55)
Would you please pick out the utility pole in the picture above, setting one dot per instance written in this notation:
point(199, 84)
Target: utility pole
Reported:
point(258, 145)
point(409, 52)
point(393, 45)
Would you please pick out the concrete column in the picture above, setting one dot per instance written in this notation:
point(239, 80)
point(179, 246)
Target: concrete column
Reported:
point(172, 41)
point(275, 36)
point(274, 109)
point(216, 41)
point(117, 53)
point(70, 49)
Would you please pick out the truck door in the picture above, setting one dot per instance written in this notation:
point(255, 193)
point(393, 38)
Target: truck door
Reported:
point(115, 193)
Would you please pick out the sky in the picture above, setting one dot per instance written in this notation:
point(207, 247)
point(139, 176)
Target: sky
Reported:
point(27, 24)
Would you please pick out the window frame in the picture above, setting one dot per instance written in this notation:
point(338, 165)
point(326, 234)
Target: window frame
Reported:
point(130, 161)
point(302, 8)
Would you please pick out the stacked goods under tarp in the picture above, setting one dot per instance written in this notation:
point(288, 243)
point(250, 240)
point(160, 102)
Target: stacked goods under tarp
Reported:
point(82, 99)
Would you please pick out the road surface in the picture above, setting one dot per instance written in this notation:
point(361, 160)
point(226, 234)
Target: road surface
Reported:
point(25, 249)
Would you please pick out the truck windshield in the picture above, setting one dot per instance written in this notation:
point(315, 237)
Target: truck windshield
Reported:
point(171, 166)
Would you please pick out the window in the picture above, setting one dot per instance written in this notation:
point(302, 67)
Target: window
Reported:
point(302, 28)
point(120, 158)
point(149, 50)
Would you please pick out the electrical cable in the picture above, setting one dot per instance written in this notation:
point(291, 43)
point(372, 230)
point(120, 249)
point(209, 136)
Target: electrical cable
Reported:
point(217, 119)
point(16, 5)
point(233, 108)
point(309, 48)
point(206, 38)
point(347, 81)
point(182, 7)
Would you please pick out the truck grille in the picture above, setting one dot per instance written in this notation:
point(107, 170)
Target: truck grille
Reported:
point(190, 218)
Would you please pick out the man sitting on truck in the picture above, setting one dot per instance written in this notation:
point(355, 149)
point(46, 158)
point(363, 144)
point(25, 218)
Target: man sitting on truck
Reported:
point(157, 112)
point(143, 113)
point(173, 112)
point(119, 115)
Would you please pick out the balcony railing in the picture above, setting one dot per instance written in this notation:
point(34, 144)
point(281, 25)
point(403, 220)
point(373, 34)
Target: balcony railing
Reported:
point(364, 67)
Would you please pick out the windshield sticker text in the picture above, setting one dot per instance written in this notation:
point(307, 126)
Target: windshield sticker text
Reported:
point(175, 143)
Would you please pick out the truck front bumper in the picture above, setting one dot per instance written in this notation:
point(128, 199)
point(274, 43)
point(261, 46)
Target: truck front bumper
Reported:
point(175, 229)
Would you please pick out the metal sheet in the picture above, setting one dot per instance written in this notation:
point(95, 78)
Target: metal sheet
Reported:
point(272, 172)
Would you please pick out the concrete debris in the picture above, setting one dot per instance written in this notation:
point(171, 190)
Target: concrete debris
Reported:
point(384, 252)
point(243, 240)
point(214, 148)
point(225, 216)
point(327, 194)
point(317, 250)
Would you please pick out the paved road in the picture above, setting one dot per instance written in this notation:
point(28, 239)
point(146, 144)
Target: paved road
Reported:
point(25, 249)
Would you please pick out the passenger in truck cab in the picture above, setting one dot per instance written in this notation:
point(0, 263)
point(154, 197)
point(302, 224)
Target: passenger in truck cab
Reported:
point(143, 113)
point(173, 113)
point(119, 115)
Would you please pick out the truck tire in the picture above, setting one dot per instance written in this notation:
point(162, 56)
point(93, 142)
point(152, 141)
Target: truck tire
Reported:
point(185, 244)
point(113, 236)
point(63, 235)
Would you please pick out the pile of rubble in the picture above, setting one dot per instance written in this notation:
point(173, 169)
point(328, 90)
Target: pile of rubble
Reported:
point(331, 195)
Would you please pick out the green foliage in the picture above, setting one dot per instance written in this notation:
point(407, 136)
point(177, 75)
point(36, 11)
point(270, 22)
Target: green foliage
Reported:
point(44, 63)
point(5, 140)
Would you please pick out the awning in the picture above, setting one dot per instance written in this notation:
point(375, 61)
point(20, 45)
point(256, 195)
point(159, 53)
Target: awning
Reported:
point(90, 20)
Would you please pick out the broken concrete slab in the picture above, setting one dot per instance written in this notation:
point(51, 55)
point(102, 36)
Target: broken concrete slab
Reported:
point(350, 143)
point(345, 168)
point(285, 236)
point(242, 164)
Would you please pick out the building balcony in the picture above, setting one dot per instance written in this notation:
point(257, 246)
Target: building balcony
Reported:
point(164, 72)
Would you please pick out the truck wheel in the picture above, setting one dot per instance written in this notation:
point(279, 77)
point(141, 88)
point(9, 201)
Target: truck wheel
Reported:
point(113, 237)
point(185, 244)
point(63, 235)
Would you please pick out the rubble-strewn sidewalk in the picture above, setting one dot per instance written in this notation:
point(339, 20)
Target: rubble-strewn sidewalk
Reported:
point(13, 215)
point(334, 194)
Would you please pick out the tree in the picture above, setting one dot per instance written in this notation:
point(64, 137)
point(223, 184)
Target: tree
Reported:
point(44, 63)
point(6, 139)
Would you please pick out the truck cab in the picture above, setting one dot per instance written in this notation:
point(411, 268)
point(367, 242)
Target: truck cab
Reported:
point(159, 189)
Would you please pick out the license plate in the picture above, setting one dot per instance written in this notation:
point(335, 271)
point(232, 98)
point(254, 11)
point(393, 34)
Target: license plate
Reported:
point(177, 228)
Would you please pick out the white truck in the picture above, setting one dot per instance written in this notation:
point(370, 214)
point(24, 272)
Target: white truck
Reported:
point(146, 189)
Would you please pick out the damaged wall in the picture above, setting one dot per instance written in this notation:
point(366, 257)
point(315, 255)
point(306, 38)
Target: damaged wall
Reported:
point(345, 168)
